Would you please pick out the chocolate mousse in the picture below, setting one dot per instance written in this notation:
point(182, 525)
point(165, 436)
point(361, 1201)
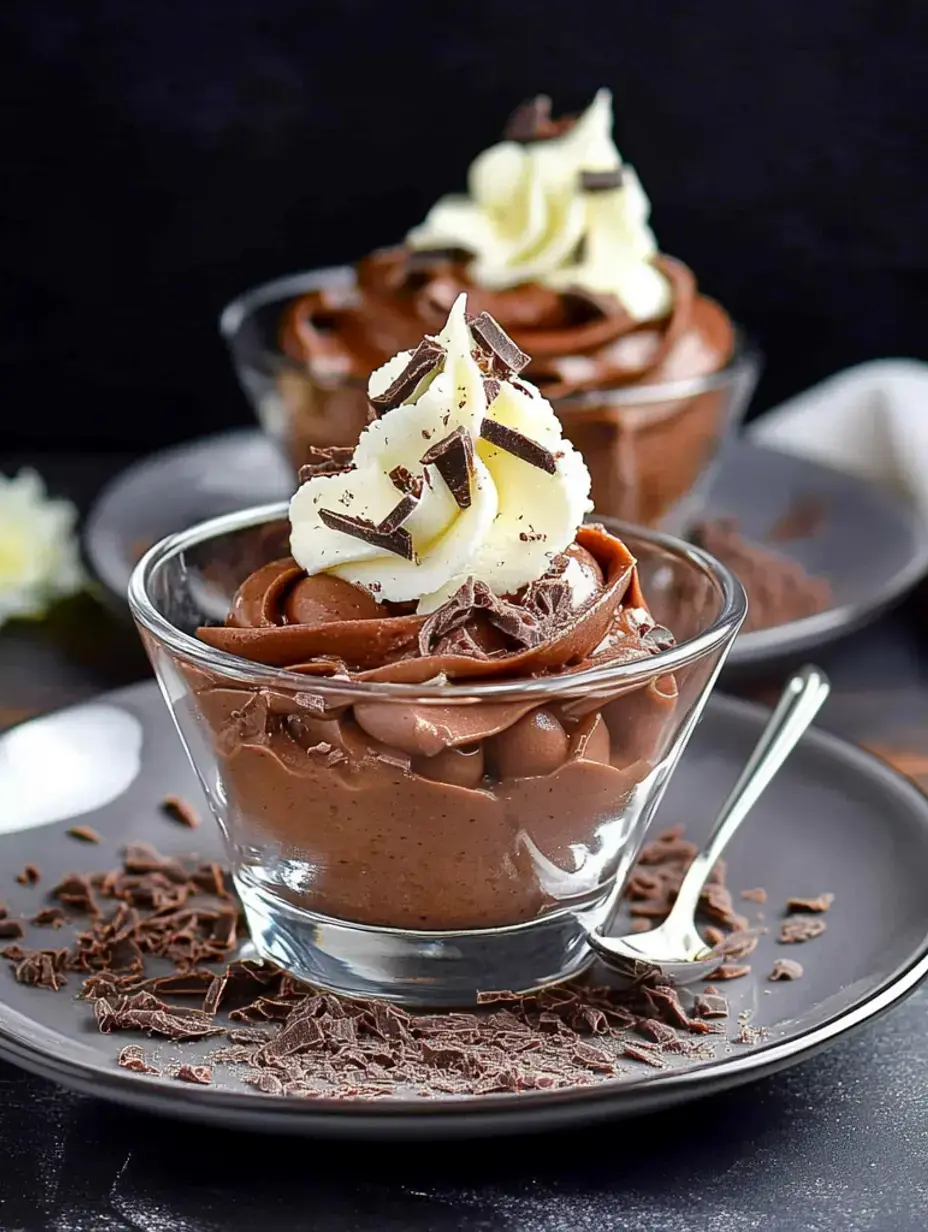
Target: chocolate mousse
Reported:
point(553, 241)
point(446, 551)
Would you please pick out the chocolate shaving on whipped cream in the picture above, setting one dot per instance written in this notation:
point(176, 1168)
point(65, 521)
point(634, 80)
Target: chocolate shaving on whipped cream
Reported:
point(391, 538)
point(506, 359)
point(333, 460)
point(511, 441)
point(453, 458)
point(423, 361)
point(601, 181)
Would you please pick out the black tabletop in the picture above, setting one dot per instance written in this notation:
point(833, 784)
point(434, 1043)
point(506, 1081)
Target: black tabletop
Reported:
point(840, 1142)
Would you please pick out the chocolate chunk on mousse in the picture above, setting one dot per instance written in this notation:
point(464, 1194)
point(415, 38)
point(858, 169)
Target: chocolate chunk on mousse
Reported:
point(814, 905)
point(602, 181)
point(786, 969)
point(423, 361)
point(395, 540)
point(514, 621)
point(799, 928)
point(506, 359)
point(532, 121)
point(453, 458)
point(398, 514)
point(332, 460)
point(518, 445)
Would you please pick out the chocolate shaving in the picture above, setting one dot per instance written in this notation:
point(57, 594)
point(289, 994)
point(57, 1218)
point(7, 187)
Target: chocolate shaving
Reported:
point(132, 1058)
point(29, 876)
point(757, 895)
point(602, 181)
point(11, 930)
point(398, 541)
point(491, 388)
point(408, 483)
point(731, 971)
point(85, 834)
point(505, 358)
point(423, 361)
point(49, 917)
point(332, 460)
point(143, 1011)
point(815, 905)
point(178, 809)
point(472, 598)
point(710, 1005)
point(398, 515)
point(40, 968)
point(199, 1074)
point(786, 969)
point(531, 121)
point(521, 447)
point(799, 928)
point(453, 458)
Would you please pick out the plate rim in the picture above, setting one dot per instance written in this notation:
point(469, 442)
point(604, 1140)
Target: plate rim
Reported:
point(751, 649)
point(503, 1113)
point(764, 645)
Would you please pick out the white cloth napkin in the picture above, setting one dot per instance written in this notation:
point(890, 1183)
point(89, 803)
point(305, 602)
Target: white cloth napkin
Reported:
point(871, 420)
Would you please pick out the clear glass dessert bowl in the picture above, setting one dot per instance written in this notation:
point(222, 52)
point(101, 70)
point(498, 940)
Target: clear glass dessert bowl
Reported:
point(424, 843)
point(652, 449)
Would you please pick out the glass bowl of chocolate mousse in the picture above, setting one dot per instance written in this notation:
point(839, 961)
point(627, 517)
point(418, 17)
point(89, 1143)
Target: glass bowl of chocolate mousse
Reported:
point(432, 709)
point(648, 375)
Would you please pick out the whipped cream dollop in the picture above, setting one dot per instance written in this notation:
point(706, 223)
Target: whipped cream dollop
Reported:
point(563, 211)
point(464, 473)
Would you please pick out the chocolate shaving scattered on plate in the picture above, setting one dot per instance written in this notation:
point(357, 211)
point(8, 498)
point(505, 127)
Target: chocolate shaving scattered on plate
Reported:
point(133, 1058)
point(180, 810)
point(11, 930)
point(49, 917)
point(29, 876)
point(757, 895)
point(786, 969)
point(84, 834)
point(199, 1074)
point(815, 905)
point(799, 928)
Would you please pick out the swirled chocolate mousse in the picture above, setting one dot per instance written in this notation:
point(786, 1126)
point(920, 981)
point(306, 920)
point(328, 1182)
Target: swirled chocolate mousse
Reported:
point(446, 550)
point(553, 240)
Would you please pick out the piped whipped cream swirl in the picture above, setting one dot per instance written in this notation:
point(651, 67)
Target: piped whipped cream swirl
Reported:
point(464, 474)
point(564, 211)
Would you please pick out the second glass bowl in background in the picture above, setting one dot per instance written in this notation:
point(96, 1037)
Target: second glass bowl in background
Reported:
point(651, 449)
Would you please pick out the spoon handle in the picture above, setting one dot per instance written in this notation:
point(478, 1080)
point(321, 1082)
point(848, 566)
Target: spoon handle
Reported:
point(802, 698)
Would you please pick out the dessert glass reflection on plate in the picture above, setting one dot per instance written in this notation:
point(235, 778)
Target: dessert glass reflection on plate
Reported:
point(434, 712)
point(646, 373)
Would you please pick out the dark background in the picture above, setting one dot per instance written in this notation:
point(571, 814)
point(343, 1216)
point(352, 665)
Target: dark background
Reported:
point(161, 155)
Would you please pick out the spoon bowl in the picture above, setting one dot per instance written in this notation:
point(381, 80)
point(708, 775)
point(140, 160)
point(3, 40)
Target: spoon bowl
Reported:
point(675, 948)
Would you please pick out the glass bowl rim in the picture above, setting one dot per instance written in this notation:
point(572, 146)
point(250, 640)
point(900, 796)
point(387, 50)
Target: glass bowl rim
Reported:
point(744, 360)
point(717, 636)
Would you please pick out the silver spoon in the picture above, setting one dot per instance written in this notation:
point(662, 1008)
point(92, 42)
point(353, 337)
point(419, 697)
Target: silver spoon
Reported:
point(675, 948)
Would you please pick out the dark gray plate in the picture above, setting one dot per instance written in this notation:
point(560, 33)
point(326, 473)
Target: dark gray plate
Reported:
point(872, 546)
point(835, 819)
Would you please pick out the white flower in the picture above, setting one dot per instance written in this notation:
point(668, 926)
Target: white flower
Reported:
point(39, 559)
